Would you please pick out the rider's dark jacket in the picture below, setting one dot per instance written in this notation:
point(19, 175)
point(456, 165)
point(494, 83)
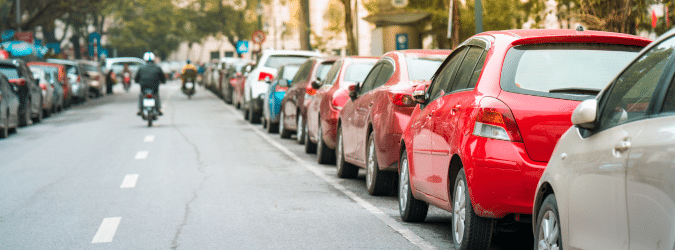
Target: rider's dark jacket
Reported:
point(150, 76)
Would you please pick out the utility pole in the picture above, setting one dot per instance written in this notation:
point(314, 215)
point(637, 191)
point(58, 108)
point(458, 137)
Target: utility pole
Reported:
point(356, 26)
point(18, 15)
point(479, 16)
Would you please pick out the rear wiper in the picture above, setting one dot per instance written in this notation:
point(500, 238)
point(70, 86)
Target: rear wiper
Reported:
point(578, 91)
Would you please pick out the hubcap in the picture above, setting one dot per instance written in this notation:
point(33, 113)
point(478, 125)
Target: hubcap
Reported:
point(459, 212)
point(300, 129)
point(404, 185)
point(319, 144)
point(371, 164)
point(338, 152)
point(281, 122)
point(549, 232)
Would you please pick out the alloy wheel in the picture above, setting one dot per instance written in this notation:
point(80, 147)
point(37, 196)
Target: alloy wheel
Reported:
point(404, 185)
point(300, 130)
point(459, 212)
point(549, 232)
point(370, 168)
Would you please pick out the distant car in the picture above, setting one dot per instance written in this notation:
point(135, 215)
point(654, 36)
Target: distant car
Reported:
point(238, 82)
point(95, 77)
point(62, 79)
point(23, 84)
point(9, 108)
point(330, 98)
point(610, 183)
point(76, 79)
point(42, 79)
point(485, 128)
point(116, 64)
point(231, 69)
point(294, 105)
point(274, 95)
point(256, 85)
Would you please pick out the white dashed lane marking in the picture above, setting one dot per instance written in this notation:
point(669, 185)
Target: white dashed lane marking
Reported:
point(149, 138)
point(141, 155)
point(107, 230)
point(129, 181)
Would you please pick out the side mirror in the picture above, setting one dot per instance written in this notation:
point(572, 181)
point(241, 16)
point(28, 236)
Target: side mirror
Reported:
point(419, 96)
point(354, 91)
point(268, 80)
point(316, 84)
point(584, 115)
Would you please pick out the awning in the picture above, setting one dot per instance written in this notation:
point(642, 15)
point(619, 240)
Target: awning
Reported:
point(397, 18)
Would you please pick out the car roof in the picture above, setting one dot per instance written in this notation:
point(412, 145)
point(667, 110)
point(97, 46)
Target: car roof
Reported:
point(62, 61)
point(534, 36)
point(292, 52)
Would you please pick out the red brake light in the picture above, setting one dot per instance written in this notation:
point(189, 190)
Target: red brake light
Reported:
point(78, 78)
point(495, 120)
point(148, 95)
point(18, 81)
point(310, 91)
point(279, 88)
point(264, 75)
point(401, 99)
point(43, 86)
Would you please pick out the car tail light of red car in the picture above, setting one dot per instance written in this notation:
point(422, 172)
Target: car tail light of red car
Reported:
point(43, 86)
point(264, 76)
point(495, 120)
point(148, 95)
point(310, 91)
point(402, 99)
point(280, 88)
point(18, 81)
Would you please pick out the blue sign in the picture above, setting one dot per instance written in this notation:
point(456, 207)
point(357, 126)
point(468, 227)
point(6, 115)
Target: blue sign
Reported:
point(401, 41)
point(38, 42)
point(56, 47)
point(242, 47)
point(94, 44)
point(7, 34)
point(105, 52)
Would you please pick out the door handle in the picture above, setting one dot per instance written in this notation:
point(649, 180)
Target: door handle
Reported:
point(622, 146)
point(454, 110)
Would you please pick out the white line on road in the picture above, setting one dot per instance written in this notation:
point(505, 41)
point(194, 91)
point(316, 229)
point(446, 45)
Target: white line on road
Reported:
point(129, 181)
point(149, 138)
point(107, 230)
point(141, 155)
point(398, 227)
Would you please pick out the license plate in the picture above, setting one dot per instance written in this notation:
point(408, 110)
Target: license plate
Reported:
point(189, 85)
point(148, 102)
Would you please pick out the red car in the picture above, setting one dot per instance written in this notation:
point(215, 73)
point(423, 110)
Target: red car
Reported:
point(486, 127)
point(331, 95)
point(371, 124)
point(298, 95)
point(62, 79)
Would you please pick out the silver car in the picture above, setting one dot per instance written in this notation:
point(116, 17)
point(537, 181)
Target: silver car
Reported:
point(610, 183)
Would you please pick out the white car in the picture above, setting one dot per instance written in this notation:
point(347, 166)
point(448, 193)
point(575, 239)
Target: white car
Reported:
point(256, 84)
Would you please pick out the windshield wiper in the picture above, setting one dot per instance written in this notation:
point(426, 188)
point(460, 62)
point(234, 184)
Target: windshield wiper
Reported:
point(578, 91)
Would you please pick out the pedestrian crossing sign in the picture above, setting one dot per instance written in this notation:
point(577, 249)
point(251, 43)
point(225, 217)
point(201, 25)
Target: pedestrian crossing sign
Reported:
point(242, 47)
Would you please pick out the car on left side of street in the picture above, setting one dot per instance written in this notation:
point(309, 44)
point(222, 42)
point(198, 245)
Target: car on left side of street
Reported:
point(9, 108)
point(75, 78)
point(61, 79)
point(26, 87)
point(42, 79)
point(274, 95)
point(95, 77)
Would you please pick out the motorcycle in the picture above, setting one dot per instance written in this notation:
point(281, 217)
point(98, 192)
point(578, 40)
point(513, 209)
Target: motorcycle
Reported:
point(189, 89)
point(126, 80)
point(149, 112)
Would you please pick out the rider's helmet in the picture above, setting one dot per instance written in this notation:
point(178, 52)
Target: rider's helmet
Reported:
point(149, 56)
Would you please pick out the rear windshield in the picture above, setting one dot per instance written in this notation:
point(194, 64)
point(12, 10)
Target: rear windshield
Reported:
point(277, 61)
point(289, 71)
point(565, 71)
point(423, 68)
point(357, 72)
point(323, 69)
point(9, 72)
point(88, 67)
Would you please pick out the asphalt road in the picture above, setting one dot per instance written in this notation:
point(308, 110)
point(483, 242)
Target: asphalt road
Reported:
point(96, 177)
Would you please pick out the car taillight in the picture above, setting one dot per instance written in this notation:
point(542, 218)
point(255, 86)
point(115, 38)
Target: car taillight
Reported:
point(495, 120)
point(18, 81)
point(263, 76)
point(310, 91)
point(43, 86)
point(402, 99)
point(148, 95)
point(279, 88)
point(96, 78)
point(78, 78)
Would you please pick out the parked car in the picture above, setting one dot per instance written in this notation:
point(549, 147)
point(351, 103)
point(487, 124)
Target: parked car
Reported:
point(331, 96)
point(370, 125)
point(9, 108)
point(275, 93)
point(116, 64)
point(47, 90)
point(232, 69)
point(609, 183)
point(294, 105)
point(23, 84)
point(486, 126)
point(256, 85)
point(95, 77)
point(76, 80)
point(62, 79)
point(52, 79)
point(238, 83)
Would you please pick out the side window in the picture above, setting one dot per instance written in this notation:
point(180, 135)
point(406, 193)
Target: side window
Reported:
point(303, 72)
point(370, 79)
point(465, 71)
point(322, 70)
point(332, 75)
point(384, 75)
point(440, 83)
point(630, 95)
point(477, 71)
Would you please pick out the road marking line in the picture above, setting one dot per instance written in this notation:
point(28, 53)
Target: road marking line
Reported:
point(149, 138)
point(129, 181)
point(141, 155)
point(107, 230)
point(398, 227)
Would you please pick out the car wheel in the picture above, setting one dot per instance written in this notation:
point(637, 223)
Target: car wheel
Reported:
point(300, 131)
point(547, 234)
point(4, 132)
point(377, 182)
point(283, 132)
point(272, 127)
point(254, 116)
point(310, 147)
point(25, 121)
point(344, 169)
point(39, 117)
point(469, 231)
point(324, 155)
point(409, 208)
point(264, 123)
point(247, 110)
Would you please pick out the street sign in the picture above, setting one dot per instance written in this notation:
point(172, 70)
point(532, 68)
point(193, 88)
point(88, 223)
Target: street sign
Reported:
point(401, 41)
point(94, 44)
point(258, 37)
point(242, 47)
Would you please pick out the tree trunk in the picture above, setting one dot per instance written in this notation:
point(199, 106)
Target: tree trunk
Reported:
point(304, 26)
point(454, 40)
point(352, 49)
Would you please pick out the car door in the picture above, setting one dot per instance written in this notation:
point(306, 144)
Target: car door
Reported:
point(291, 105)
point(355, 116)
point(650, 175)
point(446, 128)
point(422, 125)
point(598, 216)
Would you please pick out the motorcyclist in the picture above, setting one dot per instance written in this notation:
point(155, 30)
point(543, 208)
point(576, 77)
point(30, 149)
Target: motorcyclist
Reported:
point(189, 71)
point(149, 76)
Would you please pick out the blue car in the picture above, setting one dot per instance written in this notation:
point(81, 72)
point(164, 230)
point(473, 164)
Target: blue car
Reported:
point(275, 93)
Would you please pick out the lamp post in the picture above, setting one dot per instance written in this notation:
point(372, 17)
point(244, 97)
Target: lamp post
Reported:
point(18, 15)
point(479, 16)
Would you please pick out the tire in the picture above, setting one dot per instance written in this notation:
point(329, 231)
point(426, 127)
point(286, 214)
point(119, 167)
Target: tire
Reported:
point(283, 132)
point(324, 155)
point(264, 123)
point(4, 132)
point(345, 169)
point(272, 127)
point(149, 122)
point(409, 208)
point(246, 110)
point(300, 129)
point(253, 117)
point(310, 147)
point(38, 119)
point(377, 182)
point(469, 230)
point(548, 212)
point(26, 116)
